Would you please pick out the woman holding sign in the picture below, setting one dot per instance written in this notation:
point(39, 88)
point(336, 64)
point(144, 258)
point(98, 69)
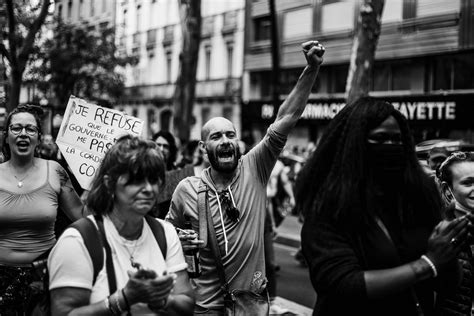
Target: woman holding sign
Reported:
point(31, 190)
point(144, 271)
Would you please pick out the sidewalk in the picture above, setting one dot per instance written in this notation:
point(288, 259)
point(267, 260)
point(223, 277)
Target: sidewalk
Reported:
point(289, 232)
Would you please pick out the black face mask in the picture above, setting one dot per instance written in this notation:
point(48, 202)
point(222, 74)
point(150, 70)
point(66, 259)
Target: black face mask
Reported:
point(387, 161)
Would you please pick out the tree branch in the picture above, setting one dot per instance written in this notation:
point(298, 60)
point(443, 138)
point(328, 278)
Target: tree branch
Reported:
point(30, 37)
point(11, 34)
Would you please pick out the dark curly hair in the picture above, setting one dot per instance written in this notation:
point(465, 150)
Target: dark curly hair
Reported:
point(34, 110)
point(336, 183)
point(138, 158)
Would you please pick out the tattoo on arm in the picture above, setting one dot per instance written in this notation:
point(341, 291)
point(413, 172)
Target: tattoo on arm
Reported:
point(64, 180)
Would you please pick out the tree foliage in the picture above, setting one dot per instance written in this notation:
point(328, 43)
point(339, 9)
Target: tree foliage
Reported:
point(23, 23)
point(83, 62)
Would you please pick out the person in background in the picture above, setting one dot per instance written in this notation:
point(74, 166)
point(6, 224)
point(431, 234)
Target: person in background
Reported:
point(122, 193)
point(236, 195)
point(456, 177)
point(166, 142)
point(373, 234)
point(435, 157)
point(31, 191)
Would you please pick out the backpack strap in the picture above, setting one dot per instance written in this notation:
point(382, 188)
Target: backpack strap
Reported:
point(93, 243)
point(159, 233)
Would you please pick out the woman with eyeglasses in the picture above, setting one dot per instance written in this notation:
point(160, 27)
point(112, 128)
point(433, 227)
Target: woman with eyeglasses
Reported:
point(31, 191)
point(456, 176)
point(373, 235)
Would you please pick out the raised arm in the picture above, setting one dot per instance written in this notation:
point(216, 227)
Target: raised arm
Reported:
point(292, 108)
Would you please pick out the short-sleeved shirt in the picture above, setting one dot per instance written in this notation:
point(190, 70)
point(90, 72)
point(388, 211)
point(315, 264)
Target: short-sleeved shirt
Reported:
point(70, 264)
point(244, 261)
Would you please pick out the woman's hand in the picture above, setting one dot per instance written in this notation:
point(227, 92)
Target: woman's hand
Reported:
point(145, 286)
point(446, 240)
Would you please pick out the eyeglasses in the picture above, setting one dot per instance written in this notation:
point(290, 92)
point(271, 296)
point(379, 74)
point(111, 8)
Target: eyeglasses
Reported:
point(227, 204)
point(30, 130)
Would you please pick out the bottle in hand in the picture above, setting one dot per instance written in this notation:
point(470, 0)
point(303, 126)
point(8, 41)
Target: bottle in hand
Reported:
point(192, 256)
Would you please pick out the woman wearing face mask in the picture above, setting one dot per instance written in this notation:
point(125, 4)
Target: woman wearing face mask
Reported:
point(456, 175)
point(373, 236)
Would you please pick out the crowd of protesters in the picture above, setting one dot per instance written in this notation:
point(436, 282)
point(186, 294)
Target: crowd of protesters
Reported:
point(383, 234)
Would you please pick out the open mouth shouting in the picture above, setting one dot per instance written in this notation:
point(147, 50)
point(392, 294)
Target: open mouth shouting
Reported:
point(22, 145)
point(226, 155)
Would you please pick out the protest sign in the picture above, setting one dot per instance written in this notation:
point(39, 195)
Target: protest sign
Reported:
point(87, 132)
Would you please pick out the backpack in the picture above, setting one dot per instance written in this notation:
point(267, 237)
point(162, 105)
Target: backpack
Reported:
point(91, 234)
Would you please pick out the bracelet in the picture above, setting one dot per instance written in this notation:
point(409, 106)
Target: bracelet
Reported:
point(114, 305)
point(431, 264)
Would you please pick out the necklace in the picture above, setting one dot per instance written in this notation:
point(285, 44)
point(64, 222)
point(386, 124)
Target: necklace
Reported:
point(134, 264)
point(20, 181)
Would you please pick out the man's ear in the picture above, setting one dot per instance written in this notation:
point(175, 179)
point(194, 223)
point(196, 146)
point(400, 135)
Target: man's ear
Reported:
point(202, 147)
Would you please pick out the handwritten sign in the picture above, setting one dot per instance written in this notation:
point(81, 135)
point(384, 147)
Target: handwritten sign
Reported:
point(87, 132)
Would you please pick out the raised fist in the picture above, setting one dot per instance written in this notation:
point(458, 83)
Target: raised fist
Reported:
point(313, 52)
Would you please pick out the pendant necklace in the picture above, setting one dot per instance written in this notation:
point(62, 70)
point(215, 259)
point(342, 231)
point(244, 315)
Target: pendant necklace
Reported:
point(20, 181)
point(134, 264)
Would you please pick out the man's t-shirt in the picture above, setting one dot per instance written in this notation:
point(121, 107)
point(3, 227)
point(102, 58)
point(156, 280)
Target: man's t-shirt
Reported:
point(244, 261)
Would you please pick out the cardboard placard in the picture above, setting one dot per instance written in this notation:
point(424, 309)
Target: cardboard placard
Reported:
point(87, 132)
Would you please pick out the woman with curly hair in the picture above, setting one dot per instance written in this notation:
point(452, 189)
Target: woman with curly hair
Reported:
point(373, 235)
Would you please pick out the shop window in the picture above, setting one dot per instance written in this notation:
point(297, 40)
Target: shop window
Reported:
point(339, 79)
point(262, 28)
point(381, 78)
point(463, 70)
point(442, 74)
point(401, 76)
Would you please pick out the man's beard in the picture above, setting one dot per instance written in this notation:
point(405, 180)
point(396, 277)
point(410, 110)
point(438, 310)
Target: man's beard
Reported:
point(226, 167)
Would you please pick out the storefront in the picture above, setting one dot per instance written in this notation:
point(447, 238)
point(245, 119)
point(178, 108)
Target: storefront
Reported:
point(430, 116)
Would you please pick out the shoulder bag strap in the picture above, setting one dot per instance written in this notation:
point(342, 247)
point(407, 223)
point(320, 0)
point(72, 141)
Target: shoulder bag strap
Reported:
point(108, 256)
point(215, 250)
point(159, 233)
point(93, 243)
point(202, 207)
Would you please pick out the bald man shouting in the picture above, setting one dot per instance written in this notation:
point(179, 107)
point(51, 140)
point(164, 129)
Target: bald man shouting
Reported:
point(235, 187)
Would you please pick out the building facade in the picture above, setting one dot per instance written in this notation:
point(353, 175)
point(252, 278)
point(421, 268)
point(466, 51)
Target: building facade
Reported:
point(151, 31)
point(424, 63)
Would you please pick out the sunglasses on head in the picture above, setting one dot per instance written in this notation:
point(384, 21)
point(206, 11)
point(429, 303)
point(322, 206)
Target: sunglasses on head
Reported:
point(227, 203)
